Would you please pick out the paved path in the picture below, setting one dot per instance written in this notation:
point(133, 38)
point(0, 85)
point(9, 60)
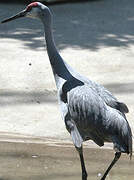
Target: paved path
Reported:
point(97, 38)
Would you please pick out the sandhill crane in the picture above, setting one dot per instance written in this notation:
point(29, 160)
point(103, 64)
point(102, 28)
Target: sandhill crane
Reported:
point(89, 110)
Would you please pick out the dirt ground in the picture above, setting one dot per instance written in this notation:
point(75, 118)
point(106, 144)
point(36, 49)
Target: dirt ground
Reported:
point(36, 161)
point(95, 37)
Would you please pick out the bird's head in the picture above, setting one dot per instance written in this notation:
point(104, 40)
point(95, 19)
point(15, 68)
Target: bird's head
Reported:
point(33, 10)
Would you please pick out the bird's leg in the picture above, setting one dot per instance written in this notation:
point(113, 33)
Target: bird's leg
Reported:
point(117, 156)
point(84, 173)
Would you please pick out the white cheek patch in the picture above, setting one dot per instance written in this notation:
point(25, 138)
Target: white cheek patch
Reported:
point(33, 13)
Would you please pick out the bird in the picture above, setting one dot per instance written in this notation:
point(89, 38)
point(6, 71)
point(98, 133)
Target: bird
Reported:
point(89, 110)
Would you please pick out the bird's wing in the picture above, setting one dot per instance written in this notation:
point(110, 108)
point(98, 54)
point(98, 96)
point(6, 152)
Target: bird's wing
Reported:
point(87, 110)
point(106, 95)
point(70, 125)
point(110, 100)
point(97, 121)
point(120, 131)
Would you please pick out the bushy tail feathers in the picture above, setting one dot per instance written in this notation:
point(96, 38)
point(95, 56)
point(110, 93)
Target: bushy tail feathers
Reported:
point(128, 141)
point(130, 144)
point(122, 138)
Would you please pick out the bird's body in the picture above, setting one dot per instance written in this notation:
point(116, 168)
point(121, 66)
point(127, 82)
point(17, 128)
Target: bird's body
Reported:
point(88, 109)
point(94, 119)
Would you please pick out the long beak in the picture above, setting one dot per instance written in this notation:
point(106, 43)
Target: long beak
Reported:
point(18, 15)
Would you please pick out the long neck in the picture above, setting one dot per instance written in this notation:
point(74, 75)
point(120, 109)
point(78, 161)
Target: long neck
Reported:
point(60, 68)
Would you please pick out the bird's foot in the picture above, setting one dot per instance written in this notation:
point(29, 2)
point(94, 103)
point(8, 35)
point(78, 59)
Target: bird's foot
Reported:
point(84, 176)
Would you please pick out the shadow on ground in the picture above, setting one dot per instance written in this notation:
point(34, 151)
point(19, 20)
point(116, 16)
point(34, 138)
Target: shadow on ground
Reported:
point(90, 25)
point(32, 97)
point(39, 97)
point(120, 88)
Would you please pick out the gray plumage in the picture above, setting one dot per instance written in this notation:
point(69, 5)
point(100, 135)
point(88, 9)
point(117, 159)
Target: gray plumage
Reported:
point(88, 109)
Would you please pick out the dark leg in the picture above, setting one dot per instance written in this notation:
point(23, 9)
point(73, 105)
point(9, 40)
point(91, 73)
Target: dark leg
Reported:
point(84, 173)
point(117, 156)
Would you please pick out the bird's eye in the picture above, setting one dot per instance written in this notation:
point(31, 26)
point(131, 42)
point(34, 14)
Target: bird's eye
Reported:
point(29, 8)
